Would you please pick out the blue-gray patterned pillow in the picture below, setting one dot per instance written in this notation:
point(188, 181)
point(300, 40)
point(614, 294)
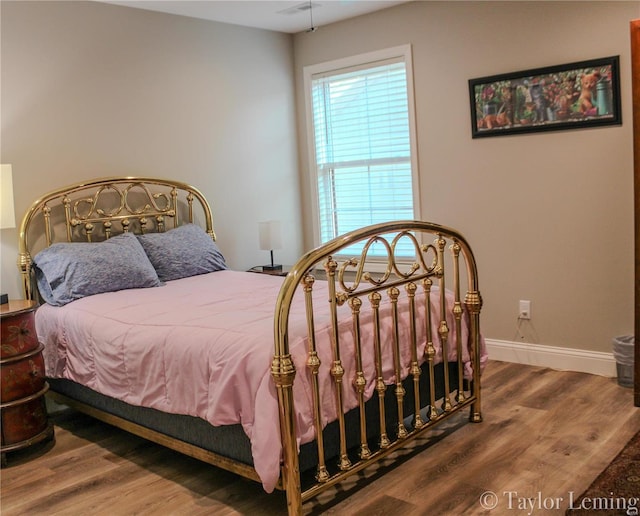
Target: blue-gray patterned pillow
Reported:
point(68, 271)
point(182, 252)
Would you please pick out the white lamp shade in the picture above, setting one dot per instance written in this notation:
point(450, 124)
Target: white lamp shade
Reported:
point(7, 211)
point(270, 234)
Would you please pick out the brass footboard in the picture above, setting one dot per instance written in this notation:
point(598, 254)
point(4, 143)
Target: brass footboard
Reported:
point(418, 270)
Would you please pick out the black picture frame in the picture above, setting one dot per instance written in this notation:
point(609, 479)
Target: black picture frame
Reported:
point(569, 96)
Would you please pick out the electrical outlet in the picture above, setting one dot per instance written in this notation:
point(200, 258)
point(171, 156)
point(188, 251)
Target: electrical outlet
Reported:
point(525, 309)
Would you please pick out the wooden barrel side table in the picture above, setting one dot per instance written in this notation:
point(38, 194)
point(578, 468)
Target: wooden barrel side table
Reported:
point(23, 410)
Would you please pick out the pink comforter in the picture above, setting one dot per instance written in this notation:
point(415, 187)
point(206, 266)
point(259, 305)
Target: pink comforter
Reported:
point(202, 346)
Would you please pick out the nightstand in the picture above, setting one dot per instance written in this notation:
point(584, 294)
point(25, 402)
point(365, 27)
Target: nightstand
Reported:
point(275, 272)
point(22, 405)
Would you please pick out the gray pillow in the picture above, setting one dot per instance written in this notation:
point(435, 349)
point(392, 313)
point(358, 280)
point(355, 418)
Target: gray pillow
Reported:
point(182, 252)
point(71, 270)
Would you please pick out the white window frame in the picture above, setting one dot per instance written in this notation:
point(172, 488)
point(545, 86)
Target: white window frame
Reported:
point(369, 59)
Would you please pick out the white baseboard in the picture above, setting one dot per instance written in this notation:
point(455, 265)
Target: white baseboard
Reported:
point(564, 359)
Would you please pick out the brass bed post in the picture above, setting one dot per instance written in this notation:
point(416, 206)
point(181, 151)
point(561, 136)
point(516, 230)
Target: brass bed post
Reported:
point(24, 256)
point(359, 382)
point(375, 298)
point(314, 363)
point(430, 350)
point(415, 366)
point(337, 370)
point(283, 372)
point(473, 303)
point(393, 293)
point(457, 313)
point(443, 328)
point(66, 201)
point(176, 219)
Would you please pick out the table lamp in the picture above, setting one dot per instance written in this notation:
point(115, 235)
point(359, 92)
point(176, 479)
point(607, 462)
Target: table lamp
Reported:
point(7, 211)
point(270, 238)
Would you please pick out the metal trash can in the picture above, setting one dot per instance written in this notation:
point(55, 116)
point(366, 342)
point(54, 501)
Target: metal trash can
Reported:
point(623, 352)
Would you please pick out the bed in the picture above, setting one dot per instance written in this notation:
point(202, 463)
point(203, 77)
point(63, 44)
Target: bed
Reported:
point(296, 382)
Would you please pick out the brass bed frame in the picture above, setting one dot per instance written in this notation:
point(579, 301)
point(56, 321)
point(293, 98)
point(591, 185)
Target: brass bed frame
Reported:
point(96, 209)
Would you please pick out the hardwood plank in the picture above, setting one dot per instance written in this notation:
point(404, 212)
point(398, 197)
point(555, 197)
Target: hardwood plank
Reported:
point(545, 433)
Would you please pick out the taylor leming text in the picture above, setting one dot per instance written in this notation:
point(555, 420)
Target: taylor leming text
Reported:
point(516, 501)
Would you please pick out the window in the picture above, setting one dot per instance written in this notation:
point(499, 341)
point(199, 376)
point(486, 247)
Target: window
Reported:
point(360, 113)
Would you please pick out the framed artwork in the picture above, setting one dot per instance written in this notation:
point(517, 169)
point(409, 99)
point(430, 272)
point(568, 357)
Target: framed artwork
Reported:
point(569, 96)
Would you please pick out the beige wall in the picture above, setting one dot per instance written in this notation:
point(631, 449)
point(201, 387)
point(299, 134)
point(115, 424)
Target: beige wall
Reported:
point(550, 215)
point(91, 90)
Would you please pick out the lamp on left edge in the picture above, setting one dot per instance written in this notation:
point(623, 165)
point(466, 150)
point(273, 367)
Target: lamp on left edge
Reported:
point(7, 210)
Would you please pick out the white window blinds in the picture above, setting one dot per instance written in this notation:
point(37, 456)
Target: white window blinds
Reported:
point(362, 140)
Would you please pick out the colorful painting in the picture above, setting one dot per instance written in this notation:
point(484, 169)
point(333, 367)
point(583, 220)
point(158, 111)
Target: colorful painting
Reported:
point(574, 95)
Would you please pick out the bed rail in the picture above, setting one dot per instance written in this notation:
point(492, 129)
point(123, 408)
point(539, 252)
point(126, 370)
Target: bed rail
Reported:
point(97, 209)
point(398, 281)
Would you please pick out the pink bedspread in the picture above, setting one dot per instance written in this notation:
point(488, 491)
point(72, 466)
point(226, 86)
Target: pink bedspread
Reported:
point(201, 346)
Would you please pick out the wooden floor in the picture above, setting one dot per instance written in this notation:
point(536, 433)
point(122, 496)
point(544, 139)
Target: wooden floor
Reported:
point(546, 435)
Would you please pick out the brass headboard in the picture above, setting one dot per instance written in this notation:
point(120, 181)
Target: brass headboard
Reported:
point(98, 209)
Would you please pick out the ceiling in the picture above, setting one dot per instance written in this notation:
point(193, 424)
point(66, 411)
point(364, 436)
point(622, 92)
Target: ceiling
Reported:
point(282, 16)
